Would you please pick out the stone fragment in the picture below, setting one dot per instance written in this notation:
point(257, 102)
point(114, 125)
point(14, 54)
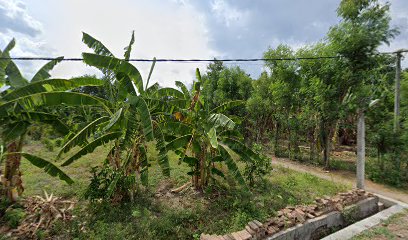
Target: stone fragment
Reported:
point(253, 226)
point(339, 207)
point(205, 237)
point(249, 230)
point(308, 215)
point(319, 213)
point(236, 235)
point(289, 224)
point(245, 235)
point(272, 230)
point(257, 223)
point(228, 237)
point(286, 211)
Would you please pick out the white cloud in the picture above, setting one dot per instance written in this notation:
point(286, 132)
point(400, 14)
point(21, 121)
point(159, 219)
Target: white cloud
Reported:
point(15, 17)
point(228, 14)
point(16, 22)
point(172, 29)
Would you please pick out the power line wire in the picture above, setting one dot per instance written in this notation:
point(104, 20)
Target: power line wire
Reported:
point(195, 60)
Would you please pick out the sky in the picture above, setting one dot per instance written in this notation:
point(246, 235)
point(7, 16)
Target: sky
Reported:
point(171, 29)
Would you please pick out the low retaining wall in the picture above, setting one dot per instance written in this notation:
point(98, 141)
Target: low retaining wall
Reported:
point(319, 227)
point(309, 222)
point(393, 207)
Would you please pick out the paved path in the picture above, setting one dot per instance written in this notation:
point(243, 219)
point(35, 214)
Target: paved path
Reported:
point(343, 177)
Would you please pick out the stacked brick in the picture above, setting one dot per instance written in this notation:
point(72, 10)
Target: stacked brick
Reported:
point(292, 216)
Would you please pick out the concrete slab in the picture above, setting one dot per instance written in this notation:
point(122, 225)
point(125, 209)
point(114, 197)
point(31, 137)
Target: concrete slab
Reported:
point(349, 232)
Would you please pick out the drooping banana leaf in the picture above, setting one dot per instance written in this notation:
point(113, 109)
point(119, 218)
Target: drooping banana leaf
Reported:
point(53, 85)
point(92, 146)
point(32, 101)
point(43, 73)
point(163, 158)
point(240, 148)
point(40, 117)
point(176, 128)
point(232, 166)
point(218, 172)
point(47, 166)
point(5, 62)
point(14, 130)
point(82, 135)
point(180, 142)
point(183, 89)
point(114, 119)
point(220, 120)
point(144, 171)
point(125, 85)
point(96, 45)
point(228, 105)
point(152, 89)
point(14, 78)
point(169, 92)
point(212, 135)
point(144, 113)
point(116, 65)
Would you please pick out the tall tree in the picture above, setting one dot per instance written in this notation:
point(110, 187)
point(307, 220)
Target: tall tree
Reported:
point(364, 26)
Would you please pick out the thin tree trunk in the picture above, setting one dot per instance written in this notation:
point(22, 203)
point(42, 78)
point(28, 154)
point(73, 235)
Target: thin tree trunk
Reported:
point(312, 146)
point(325, 136)
point(360, 149)
point(277, 139)
point(326, 151)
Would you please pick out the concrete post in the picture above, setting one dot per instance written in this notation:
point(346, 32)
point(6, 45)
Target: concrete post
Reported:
point(360, 149)
point(397, 92)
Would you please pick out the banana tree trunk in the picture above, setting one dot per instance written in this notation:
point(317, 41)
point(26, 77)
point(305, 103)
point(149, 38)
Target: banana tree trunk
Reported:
point(360, 149)
point(12, 182)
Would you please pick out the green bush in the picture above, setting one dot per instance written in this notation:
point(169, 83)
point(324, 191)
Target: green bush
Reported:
point(256, 169)
point(109, 184)
point(14, 216)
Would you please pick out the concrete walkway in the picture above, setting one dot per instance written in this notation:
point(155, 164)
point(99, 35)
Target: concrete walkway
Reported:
point(343, 177)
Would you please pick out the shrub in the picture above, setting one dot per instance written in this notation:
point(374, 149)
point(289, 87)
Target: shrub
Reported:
point(109, 184)
point(14, 216)
point(256, 169)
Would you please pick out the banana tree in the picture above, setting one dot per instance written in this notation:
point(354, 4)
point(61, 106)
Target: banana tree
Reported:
point(137, 114)
point(19, 108)
point(206, 138)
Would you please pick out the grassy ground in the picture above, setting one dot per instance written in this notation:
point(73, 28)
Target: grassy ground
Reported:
point(158, 214)
point(395, 227)
point(344, 158)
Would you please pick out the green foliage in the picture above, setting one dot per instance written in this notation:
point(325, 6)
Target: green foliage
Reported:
point(107, 184)
point(206, 134)
point(256, 170)
point(14, 216)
